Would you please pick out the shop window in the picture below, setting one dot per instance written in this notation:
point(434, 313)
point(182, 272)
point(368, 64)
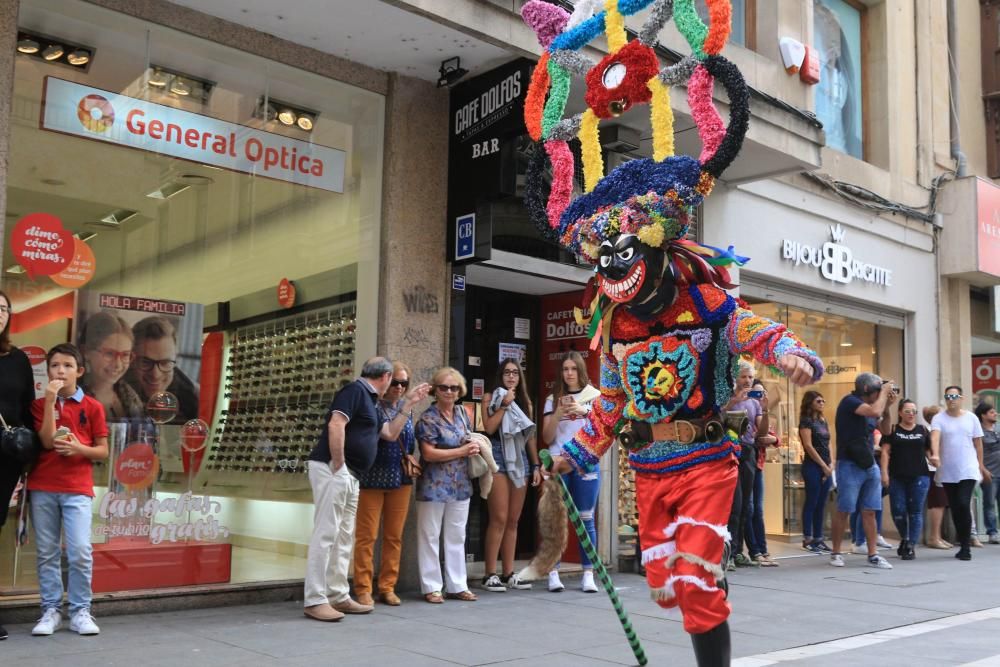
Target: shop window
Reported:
point(230, 241)
point(743, 21)
point(990, 32)
point(838, 26)
point(847, 347)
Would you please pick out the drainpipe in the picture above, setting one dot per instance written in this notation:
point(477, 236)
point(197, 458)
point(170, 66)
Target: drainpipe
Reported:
point(961, 164)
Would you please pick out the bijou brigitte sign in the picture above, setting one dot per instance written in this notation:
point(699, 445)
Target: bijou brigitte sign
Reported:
point(96, 114)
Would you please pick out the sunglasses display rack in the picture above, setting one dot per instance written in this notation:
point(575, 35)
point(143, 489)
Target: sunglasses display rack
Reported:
point(278, 380)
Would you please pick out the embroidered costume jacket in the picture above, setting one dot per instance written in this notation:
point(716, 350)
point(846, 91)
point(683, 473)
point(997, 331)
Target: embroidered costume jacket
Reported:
point(679, 365)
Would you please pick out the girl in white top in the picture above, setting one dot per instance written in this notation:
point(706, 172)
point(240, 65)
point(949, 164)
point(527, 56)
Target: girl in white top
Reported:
point(957, 452)
point(564, 413)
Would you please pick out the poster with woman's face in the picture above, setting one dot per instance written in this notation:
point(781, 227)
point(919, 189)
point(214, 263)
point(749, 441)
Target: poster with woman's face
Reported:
point(142, 356)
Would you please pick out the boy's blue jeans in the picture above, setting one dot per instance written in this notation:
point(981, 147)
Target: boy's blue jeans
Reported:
point(53, 514)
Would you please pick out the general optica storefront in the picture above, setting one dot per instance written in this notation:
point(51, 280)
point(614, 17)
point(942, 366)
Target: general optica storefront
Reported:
point(219, 214)
point(857, 288)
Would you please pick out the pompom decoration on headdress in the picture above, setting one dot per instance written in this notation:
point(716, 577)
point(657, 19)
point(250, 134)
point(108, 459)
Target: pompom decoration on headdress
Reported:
point(652, 198)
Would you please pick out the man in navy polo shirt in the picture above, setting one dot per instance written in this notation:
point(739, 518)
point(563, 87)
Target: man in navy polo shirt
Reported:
point(859, 480)
point(345, 450)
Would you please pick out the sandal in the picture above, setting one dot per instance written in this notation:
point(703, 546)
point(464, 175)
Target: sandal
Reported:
point(434, 598)
point(465, 596)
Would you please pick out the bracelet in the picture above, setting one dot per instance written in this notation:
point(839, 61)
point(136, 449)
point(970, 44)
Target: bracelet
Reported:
point(534, 467)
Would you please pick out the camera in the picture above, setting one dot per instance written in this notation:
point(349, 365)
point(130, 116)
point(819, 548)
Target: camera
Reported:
point(893, 386)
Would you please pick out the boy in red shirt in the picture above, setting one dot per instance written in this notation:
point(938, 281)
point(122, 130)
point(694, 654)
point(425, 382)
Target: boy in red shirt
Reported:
point(74, 433)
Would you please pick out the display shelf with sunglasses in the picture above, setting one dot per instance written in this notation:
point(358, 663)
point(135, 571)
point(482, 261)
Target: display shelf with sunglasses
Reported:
point(279, 378)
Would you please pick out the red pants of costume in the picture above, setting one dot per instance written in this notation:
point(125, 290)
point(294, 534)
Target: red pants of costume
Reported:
point(682, 528)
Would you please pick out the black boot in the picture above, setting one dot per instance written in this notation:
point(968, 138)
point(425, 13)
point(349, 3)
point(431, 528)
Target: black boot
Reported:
point(712, 648)
point(3, 632)
point(901, 551)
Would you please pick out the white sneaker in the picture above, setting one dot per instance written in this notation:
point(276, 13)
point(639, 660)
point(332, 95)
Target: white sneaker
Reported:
point(878, 562)
point(49, 622)
point(859, 549)
point(555, 584)
point(882, 544)
point(82, 623)
point(837, 560)
point(587, 584)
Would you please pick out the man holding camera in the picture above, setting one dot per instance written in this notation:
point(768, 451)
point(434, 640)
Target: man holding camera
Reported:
point(858, 477)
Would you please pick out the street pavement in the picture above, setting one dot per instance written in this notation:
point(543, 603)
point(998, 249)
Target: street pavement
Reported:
point(934, 610)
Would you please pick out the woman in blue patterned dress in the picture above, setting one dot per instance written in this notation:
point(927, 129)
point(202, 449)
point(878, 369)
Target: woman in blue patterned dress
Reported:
point(443, 491)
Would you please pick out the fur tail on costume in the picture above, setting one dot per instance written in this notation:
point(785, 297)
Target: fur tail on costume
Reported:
point(552, 527)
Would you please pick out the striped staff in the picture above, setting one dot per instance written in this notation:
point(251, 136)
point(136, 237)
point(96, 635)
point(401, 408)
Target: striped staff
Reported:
point(602, 572)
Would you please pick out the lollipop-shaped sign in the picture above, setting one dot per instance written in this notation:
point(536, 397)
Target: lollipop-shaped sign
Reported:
point(42, 245)
point(162, 407)
point(194, 435)
point(137, 466)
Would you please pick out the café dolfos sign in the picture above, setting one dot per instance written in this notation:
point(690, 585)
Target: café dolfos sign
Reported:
point(71, 108)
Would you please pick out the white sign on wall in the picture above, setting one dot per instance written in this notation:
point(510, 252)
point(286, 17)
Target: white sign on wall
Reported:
point(835, 260)
point(101, 115)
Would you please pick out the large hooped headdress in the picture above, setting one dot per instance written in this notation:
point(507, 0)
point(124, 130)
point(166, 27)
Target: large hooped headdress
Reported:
point(652, 198)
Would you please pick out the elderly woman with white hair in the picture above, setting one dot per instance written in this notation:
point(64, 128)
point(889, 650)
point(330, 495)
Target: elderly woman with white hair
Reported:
point(444, 489)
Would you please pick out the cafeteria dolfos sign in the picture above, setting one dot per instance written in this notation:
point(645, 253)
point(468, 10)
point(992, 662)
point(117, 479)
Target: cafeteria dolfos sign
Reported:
point(82, 111)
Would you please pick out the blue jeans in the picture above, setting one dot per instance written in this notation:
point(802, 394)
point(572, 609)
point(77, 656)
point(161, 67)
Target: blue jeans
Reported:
point(991, 493)
point(858, 530)
point(53, 514)
point(584, 493)
point(906, 498)
point(756, 537)
point(814, 507)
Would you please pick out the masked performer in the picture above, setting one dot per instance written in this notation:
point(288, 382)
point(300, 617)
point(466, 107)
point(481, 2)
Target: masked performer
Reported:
point(670, 336)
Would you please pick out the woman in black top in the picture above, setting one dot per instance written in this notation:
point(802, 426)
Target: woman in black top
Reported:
point(17, 390)
point(814, 433)
point(904, 471)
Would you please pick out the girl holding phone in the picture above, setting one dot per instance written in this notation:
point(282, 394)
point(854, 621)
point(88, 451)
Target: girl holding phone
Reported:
point(563, 416)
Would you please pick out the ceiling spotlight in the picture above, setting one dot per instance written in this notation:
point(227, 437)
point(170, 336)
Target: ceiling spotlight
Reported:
point(305, 122)
point(78, 58)
point(53, 52)
point(286, 117)
point(180, 87)
point(450, 72)
point(846, 340)
point(27, 45)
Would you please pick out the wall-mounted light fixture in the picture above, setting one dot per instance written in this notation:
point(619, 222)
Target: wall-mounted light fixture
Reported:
point(450, 72)
point(54, 50)
point(286, 114)
point(178, 84)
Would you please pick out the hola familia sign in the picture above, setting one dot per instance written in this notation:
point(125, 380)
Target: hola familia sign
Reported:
point(91, 113)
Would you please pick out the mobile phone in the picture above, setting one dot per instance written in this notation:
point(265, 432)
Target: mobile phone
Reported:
point(566, 400)
point(756, 393)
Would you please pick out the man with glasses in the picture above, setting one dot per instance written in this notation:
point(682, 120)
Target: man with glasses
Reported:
point(346, 450)
point(957, 453)
point(859, 481)
point(154, 367)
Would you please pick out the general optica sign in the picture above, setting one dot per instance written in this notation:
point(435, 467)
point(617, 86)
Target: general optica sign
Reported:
point(101, 115)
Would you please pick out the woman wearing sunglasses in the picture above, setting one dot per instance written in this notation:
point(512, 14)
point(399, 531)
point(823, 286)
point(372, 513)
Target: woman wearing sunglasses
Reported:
point(444, 489)
point(384, 499)
point(814, 432)
point(106, 343)
point(904, 472)
point(510, 424)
